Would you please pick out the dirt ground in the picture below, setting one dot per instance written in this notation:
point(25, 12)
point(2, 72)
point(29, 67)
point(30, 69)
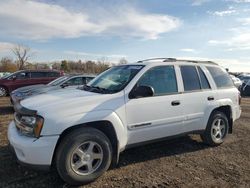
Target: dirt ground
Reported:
point(183, 162)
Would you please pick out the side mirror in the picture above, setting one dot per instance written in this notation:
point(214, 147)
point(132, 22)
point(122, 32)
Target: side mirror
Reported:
point(141, 91)
point(14, 77)
point(64, 85)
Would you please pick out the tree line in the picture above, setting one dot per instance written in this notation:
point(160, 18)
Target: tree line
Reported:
point(23, 54)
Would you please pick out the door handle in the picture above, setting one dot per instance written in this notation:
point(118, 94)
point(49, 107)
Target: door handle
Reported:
point(175, 103)
point(211, 98)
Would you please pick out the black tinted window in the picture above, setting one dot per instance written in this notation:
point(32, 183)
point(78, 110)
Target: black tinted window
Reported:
point(203, 78)
point(38, 74)
point(162, 79)
point(221, 77)
point(190, 78)
point(53, 74)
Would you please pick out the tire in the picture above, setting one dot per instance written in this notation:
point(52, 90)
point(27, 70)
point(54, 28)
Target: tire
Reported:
point(216, 130)
point(3, 91)
point(75, 158)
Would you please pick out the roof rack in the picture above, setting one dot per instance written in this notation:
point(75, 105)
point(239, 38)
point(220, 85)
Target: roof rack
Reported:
point(157, 58)
point(174, 59)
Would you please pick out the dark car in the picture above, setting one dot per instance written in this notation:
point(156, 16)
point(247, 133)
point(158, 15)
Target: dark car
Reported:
point(245, 89)
point(69, 81)
point(244, 77)
point(26, 78)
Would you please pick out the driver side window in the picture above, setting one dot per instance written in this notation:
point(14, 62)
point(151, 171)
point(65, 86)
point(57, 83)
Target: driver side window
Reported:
point(22, 75)
point(162, 79)
point(75, 81)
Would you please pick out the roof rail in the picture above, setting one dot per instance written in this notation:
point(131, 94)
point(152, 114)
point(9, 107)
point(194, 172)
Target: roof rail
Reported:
point(174, 59)
point(198, 61)
point(157, 58)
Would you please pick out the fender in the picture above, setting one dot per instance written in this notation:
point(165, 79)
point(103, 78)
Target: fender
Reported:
point(56, 128)
point(213, 105)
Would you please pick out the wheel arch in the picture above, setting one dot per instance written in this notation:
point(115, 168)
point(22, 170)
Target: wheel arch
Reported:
point(227, 110)
point(104, 126)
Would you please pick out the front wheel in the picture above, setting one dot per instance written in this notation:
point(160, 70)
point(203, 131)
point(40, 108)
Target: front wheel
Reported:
point(3, 91)
point(83, 156)
point(217, 129)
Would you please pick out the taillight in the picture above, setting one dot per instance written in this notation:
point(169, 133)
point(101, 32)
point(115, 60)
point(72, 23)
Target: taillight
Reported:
point(239, 99)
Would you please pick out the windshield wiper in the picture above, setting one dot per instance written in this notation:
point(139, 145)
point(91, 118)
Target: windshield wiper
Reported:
point(97, 89)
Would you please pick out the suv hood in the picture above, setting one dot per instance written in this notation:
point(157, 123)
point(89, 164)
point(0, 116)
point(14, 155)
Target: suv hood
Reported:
point(67, 102)
point(29, 91)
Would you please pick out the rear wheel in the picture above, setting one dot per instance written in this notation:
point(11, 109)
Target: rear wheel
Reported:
point(83, 156)
point(3, 91)
point(217, 129)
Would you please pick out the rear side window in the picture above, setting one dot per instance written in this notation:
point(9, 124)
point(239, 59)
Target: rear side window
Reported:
point(38, 74)
point(221, 77)
point(75, 81)
point(204, 82)
point(162, 79)
point(53, 74)
point(190, 78)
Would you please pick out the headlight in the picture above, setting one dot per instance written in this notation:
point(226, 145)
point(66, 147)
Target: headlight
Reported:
point(29, 125)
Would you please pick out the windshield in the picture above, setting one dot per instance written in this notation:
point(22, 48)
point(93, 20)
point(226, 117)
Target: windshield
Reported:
point(58, 81)
point(9, 75)
point(113, 80)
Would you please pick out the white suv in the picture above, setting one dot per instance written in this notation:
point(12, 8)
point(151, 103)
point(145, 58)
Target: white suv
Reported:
point(83, 131)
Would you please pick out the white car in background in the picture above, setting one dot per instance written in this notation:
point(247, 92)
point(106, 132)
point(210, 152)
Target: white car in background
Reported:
point(237, 82)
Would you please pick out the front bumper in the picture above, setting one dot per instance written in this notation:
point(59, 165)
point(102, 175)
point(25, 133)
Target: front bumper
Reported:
point(32, 151)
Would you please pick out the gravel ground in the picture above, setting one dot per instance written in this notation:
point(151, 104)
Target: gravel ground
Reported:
point(183, 162)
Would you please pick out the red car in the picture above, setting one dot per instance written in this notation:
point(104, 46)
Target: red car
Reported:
point(25, 78)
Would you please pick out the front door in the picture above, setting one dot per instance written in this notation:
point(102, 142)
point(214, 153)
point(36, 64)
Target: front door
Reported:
point(158, 116)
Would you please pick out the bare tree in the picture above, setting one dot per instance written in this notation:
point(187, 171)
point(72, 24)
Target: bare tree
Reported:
point(22, 54)
point(122, 61)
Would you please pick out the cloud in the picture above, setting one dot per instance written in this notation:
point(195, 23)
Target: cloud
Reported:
point(230, 11)
point(240, 41)
point(6, 46)
point(239, 1)
point(86, 54)
point(234, 65)
point(245, 21)
point(199, 2)
point(223, 13)
point(41, 21)
point(188, 50)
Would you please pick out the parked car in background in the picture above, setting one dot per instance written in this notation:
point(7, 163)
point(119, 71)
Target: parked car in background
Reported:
point(237, 82)
point(244, 77)
point(83, 131)
point(26, 78)
point(245, 89)
point(69, 81)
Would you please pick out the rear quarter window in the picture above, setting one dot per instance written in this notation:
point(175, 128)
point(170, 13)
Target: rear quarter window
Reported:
point(221, 77)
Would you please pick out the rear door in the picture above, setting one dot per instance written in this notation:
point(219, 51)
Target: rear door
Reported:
point(39, 78)
point(196, 97)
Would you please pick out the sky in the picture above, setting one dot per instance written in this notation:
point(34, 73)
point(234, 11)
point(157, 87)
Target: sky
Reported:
point(217, 30)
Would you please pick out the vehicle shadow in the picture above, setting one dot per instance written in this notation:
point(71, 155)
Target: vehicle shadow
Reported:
point(12, 174)
point(6, 110)
point(161, 149)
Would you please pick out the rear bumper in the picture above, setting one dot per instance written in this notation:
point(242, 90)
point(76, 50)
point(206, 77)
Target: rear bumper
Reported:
point(32, 152)
point(236, 112)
